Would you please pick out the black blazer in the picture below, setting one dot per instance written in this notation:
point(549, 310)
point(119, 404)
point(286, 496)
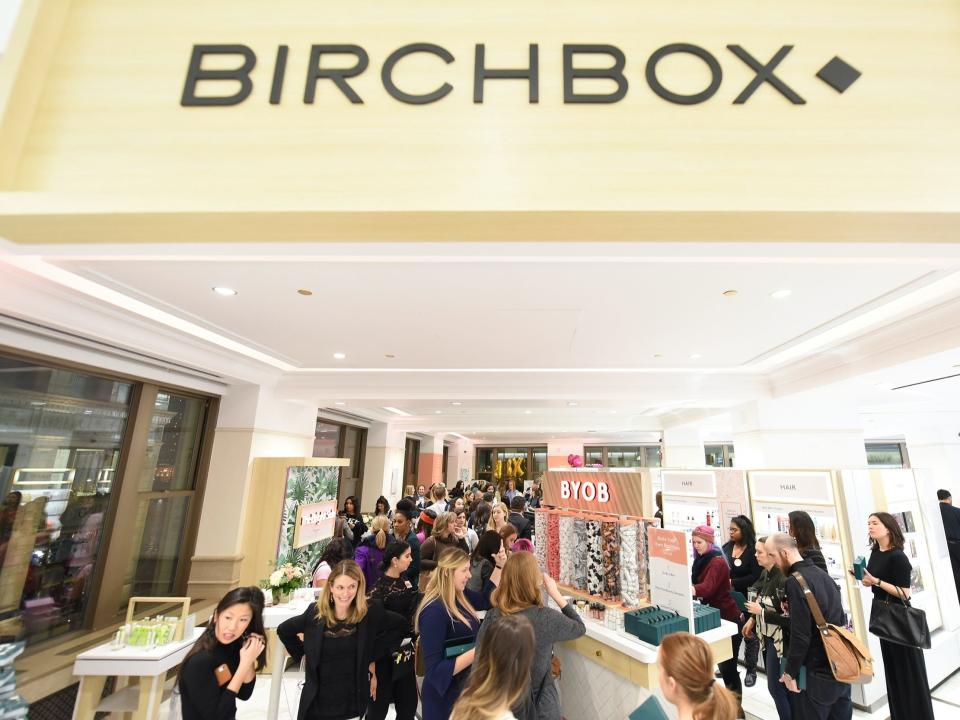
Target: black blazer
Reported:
point(379, 631)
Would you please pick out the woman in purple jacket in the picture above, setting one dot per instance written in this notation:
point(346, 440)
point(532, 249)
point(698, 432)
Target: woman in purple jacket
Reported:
point(369, 554)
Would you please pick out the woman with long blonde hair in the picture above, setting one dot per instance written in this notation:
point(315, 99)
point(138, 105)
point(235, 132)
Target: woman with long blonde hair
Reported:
point(519, 594)
point(447, 622)
point(499, 513)
point(499, 679)
point(342, 637)
point(687, 681)
point(369, 553)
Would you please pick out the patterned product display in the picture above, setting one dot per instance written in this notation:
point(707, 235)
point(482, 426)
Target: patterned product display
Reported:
point(540, 544)
point(553, 545)
point(610, 537)
point(643, 569)
point(629, 565)
point(568, 539)
point(594, 558)
point(580, 551)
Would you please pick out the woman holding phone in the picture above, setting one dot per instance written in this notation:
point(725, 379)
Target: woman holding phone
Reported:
point(222, 665)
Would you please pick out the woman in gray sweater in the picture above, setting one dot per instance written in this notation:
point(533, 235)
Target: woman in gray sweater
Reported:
point(519, 592)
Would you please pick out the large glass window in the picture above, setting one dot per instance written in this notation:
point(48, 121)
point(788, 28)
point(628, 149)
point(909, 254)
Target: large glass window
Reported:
point(719, 455)
point(492, 465)
point(623, 456)
point(166, 486)
point(60, 437)
point(887, 455)
point(338, 440)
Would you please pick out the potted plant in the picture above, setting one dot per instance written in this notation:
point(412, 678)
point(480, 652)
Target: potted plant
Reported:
point(282, 582)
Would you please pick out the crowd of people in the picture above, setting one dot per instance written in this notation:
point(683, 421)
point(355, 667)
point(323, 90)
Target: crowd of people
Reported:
point(442, 604)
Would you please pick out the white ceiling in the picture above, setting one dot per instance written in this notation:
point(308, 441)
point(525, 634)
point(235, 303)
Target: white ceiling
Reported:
point(536, 341)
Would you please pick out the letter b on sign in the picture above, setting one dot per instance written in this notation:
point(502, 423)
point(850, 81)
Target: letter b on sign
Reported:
point(603, 493)
point(565, 489)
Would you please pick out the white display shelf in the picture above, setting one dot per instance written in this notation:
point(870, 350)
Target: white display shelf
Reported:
point(644, 652)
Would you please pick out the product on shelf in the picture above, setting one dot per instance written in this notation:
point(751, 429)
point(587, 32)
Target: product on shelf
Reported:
point(567, 540)
point(540, 537)
point(629, 565)
point(553, 544)
point(594, 558)
point(610, 547)
point(581, 551)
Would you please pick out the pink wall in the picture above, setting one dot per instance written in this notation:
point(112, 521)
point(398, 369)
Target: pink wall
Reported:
point(430, 469)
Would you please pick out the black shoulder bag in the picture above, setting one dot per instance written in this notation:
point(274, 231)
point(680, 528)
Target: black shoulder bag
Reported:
point(899, 622)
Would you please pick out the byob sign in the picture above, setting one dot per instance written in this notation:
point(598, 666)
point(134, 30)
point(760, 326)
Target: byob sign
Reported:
point(670, 583)
point(603, 492)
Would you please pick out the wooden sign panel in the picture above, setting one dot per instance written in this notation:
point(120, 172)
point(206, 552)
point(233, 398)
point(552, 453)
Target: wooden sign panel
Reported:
point(604, 492)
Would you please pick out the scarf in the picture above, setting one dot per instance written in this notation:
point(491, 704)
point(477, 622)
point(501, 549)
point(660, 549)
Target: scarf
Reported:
point(701, 561)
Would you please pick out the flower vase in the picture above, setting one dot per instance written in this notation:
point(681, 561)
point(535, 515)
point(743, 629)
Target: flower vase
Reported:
point(281, 597)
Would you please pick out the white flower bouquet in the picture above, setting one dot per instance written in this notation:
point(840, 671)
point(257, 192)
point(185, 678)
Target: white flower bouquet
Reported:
point(283, 581)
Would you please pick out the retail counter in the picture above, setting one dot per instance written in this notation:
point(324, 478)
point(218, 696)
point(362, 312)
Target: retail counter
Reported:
point(607, 674)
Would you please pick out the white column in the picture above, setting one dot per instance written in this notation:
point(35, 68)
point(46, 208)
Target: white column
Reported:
point(461, 458)
point(251, 423)
point(811, 431)
point(383, 464)
point(933, 443)
point(683, 448)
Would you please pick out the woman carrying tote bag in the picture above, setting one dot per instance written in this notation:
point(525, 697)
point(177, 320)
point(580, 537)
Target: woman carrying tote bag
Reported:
point(888, 573)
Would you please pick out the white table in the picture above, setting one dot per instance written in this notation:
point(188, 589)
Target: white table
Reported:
point(149, 667)
point(272, 617)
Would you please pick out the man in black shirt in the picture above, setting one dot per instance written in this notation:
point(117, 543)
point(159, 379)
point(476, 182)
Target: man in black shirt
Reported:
point(518, 520)
point(824, 698)
point(951, 527)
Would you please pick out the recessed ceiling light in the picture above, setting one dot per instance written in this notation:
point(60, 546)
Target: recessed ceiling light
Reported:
point(339, 356)
point(304, 292)
point(225, 291)
point(527, 412)
point(389, 355)
point(613, 412)
point(456, 402)
point(729, 293)
point(780, 294)
point(397, 411)
point(572, 404)
point(339, 402)
point(438, 412)
point(695, 356)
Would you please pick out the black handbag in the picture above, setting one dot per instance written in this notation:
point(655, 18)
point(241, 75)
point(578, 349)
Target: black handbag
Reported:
point(899, 623)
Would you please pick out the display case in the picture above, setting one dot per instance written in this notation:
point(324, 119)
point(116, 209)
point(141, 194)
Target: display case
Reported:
point(702, 497)
point(776, 493)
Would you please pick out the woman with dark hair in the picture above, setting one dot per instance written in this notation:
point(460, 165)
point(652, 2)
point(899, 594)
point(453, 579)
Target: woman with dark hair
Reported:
point(335, 552)
point(888, 573)
point(396, 680)
point(804, 532)
point(744, 571)
point(427, 518)
point(487, 560)
point(480, 517)
point(351, 513)
point(711, 583)
point(342, 637)
point(222, 665)
point(457, 491)
point(382, 507)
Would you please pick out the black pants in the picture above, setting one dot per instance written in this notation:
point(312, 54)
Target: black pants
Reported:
point(751, 651)
point(954, 548)
point(824, 699)
point(731, 675)
point(402, 693)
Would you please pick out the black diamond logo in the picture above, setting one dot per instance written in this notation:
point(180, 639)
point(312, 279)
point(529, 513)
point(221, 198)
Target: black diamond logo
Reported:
point(838, 74)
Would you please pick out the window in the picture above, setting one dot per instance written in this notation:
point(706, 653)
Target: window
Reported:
point(887, 455)
point(622, 456)
point(718, 455)
point(338, 440)
point(61, 434)
point(491, 460)
point(167, 486)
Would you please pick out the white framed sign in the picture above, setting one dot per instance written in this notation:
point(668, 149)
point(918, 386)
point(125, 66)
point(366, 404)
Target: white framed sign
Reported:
point(792, 486)
point(689, 483)
point(670, 584)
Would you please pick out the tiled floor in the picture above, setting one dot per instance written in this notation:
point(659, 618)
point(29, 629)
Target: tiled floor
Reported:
point(757, 702)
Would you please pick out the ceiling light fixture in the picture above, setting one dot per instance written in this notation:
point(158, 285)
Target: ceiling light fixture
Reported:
point(339, 356)
point(225, 291)
point(729, 293)
point(780, 294)
point(458, 435)
point(304, 292)
point(456, 402)
point(339, 402)
point(397, 411)
point(572, 404)
point(438, 412)
point(389, 356)
point(527, 412)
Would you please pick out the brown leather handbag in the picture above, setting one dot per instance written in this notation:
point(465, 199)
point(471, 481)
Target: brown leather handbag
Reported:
point(850, 660)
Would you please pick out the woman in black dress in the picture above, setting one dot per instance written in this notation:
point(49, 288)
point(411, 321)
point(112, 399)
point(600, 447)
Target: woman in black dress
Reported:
point(351, 514)
point(342, 638)
point(741, 554)
point(222, 665)
point(396, 680)
point(887, 570)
